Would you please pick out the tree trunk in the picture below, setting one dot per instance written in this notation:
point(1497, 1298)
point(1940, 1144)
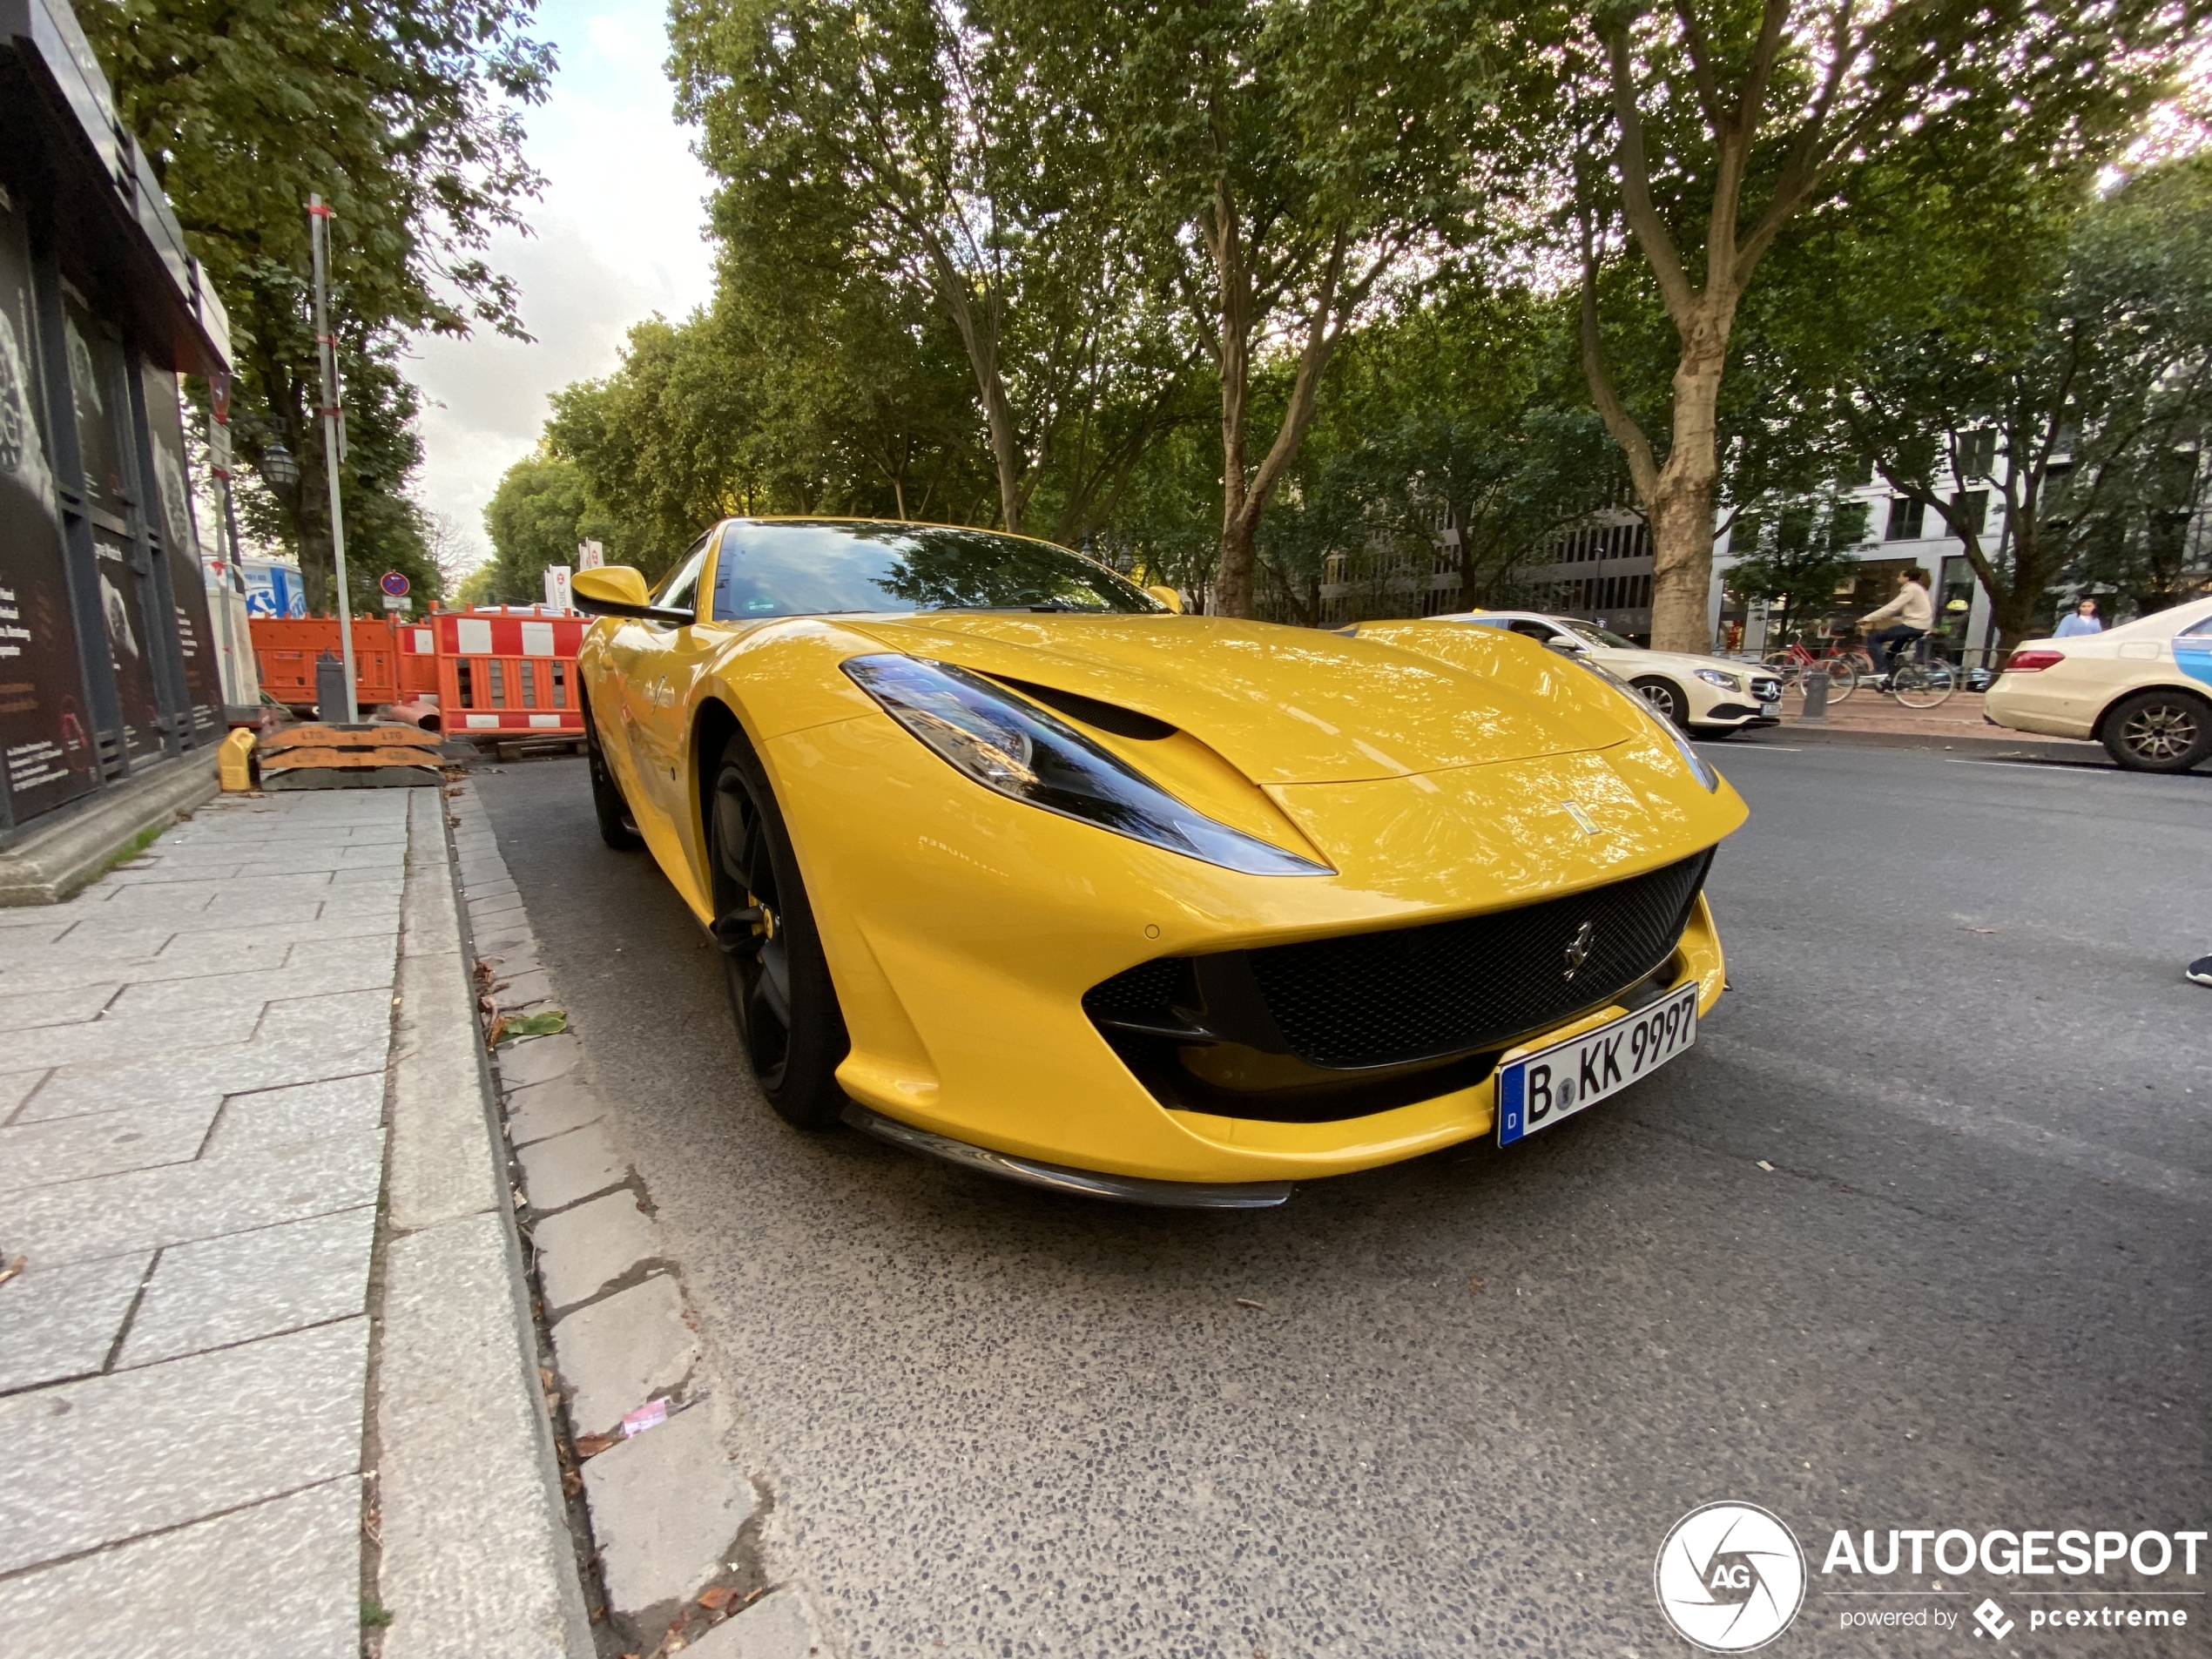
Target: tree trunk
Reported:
point(1679, 505)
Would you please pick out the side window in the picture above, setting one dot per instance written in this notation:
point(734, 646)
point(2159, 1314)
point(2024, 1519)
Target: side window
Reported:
point(1542, 633)
point(680, 592)
point(2197, 631)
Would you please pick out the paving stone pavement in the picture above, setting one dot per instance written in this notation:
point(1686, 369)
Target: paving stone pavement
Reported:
point(192, 1060)
point(205, 1059)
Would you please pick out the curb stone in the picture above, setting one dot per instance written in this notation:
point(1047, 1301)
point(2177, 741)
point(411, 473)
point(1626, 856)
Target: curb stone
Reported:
point(473, 1558)
point(681, 1509)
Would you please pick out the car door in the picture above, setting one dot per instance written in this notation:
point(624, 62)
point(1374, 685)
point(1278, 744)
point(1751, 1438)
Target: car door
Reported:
point(645, 655)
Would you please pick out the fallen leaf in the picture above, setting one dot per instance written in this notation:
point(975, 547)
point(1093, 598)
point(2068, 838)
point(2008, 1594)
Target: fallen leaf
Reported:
point(1246, 1302)
point(592, 1445)
point(1763, 1165)
point(717, 1598)
point(545, 1377)
point(1475, 1285)
point(531, 1025)
point(12, 1269)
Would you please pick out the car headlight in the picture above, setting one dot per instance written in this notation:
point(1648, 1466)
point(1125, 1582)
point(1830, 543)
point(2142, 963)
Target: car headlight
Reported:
point(1009, 744)
point(1715, 676)
point(1698, 768)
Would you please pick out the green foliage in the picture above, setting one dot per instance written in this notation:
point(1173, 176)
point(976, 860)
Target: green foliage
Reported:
point(404, 117)
point(1801, 551)
point(537, 517)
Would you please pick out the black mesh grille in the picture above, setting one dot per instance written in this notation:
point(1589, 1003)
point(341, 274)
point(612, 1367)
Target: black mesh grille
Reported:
point(1142, 990)
point(1382, 998)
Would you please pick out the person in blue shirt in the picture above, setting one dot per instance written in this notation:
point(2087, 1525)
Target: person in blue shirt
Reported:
point(2083, 621)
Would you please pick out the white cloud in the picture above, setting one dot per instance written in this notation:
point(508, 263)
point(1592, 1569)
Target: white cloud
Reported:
point(618, 236)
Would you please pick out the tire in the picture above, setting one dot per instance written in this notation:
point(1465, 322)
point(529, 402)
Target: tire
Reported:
point(780, 994)
point(1666, 699)
point(1843, 678)
point(1922, 688)
point(616, 827)
point(2159, 731)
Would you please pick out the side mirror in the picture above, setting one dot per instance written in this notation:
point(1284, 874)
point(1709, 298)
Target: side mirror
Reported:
point(1565, 646)
point(619, 591)
point(1168, 598)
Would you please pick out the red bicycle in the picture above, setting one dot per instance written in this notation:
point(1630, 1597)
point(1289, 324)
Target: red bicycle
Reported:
point(1793, 662)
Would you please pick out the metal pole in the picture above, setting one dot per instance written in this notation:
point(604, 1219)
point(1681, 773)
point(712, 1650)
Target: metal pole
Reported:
point(318, 220)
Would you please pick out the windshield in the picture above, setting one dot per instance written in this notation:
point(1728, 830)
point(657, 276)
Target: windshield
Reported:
point(1595, 634)
point(798, 568)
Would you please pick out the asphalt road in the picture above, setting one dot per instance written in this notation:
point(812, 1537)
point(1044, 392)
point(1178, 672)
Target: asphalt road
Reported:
point(1970, 1291)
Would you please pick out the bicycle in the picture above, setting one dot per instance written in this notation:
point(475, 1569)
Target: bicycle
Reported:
point(1793, 662)
point(1923, 680)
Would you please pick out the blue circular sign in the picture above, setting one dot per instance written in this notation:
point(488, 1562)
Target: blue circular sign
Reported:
point(394, 583)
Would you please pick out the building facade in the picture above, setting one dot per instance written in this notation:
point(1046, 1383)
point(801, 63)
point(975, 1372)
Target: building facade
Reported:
point(109, 665)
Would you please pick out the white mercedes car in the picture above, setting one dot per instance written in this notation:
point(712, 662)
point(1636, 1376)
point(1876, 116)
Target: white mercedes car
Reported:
point(2143, 690)
point(1710, 696)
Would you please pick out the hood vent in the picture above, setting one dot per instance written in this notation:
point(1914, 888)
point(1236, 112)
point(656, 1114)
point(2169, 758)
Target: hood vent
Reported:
point(1106, 717)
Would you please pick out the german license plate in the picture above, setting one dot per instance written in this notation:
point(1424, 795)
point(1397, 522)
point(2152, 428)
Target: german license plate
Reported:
point(1537, 1090)
point(1769, 710)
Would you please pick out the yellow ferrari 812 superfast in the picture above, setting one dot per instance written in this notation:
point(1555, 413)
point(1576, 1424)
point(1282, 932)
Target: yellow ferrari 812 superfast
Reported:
point(1011, 862)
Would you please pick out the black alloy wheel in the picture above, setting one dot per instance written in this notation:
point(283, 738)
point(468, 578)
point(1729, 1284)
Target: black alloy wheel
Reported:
point(2159, 731)
point(779, 981)
point(616, 827)
point(1665, 698)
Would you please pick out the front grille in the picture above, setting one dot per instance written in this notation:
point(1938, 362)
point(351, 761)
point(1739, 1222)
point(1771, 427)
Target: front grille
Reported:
point(1452, 987)
point(1766, 690)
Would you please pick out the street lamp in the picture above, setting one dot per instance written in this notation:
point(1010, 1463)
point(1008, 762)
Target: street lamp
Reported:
point(277, 466)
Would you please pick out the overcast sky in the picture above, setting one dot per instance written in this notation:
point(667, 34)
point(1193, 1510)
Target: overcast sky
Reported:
point(617, 237)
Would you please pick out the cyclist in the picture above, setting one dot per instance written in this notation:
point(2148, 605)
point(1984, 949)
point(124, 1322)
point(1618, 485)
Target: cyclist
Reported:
point(1915, 614)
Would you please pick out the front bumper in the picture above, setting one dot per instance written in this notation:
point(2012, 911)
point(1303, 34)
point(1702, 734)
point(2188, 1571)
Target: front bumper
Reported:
point(963, 931)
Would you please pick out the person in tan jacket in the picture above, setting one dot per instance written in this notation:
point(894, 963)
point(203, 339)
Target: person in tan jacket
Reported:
point(1914, 612)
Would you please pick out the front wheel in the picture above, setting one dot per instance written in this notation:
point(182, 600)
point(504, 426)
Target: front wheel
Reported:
point(1843, 678)
point(616, 827)
point(1665, 698)
point(2159, 731)
point(779, 980)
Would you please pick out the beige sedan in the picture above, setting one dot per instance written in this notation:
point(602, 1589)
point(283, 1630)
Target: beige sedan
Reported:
point(2143, 690)
point(1711, 696)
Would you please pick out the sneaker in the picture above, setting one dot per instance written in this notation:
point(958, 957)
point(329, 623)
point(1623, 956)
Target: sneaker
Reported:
point(2201, 971)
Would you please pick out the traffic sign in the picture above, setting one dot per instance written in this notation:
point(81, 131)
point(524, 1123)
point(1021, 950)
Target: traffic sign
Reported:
point(394, 583)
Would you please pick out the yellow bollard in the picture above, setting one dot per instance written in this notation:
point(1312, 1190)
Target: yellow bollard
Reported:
point(236, 761)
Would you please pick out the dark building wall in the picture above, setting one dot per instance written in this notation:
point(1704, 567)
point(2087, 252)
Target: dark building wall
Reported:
point(106, 658)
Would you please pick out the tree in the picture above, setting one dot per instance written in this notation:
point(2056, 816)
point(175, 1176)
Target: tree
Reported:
point(948, 153)
point(537, 517)
point(2077, 413)
point(1290, 158)
point(404, 118)
point(1800, 552)
point(1708, 131)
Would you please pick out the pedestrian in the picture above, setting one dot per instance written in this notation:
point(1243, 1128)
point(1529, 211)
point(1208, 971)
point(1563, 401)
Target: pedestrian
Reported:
point(2083, 621)
point(1915, 614)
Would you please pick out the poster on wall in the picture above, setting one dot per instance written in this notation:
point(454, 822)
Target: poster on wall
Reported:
point(130, 646)
point(172, 516)
point(45, 738)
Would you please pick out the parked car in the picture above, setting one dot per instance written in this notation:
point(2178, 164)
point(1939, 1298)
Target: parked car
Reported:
point(1010, 862)
point(1712, 696)
point(2143, 690)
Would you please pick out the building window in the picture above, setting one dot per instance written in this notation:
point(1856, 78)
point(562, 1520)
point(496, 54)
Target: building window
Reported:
point(1972, 505)
point(1904, 519)
point(1977, 453)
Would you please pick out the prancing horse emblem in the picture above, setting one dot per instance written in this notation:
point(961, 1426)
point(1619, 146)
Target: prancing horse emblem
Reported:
point(1578, 949)
point(1588, 825)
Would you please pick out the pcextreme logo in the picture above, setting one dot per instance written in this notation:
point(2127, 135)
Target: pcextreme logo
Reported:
point(1729, 1577)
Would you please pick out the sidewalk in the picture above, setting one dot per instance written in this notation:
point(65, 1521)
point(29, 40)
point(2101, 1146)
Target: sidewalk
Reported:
point(1867, 716)
point(267, 1384)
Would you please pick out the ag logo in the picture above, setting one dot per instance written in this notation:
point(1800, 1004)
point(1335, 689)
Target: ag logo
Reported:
point(1730, 1577)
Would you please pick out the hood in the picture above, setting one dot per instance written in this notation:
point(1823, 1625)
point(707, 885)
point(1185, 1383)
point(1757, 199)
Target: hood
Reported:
point(1282, 706)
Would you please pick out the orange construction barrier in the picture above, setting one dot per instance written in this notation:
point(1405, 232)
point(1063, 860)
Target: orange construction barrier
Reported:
point(505, 672)
point(285, 649)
